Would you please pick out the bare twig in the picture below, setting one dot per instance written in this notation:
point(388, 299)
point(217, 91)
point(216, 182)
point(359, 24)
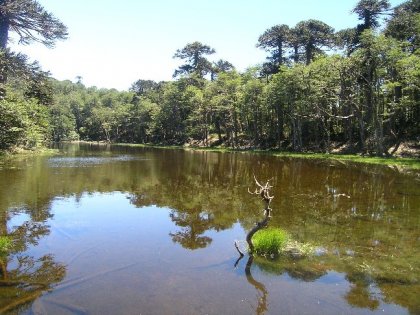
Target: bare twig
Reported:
point(237, 248)
point(264, 192)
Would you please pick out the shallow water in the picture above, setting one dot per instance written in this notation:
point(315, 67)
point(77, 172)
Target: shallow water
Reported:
point(122, 230)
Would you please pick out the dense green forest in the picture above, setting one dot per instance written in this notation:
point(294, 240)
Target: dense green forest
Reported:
point(319, 89)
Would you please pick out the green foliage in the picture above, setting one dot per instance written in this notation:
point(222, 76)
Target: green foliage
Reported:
point(5, 245)
point(23, 123)
point(270, 241)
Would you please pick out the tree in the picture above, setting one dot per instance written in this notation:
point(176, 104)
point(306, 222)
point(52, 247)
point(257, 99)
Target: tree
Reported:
point(30, 21)
point(142, 120)
point(253, 108)
point(369, 12)
point(313, 35)
point(141, 87)
point(404, 24)
point(224, 95)
point(196, 63)
point(220, 66)
point(23, 123)
point(345, 39)
point(274, 41)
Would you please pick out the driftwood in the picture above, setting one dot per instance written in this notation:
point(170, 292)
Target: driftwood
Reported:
point(263, 191)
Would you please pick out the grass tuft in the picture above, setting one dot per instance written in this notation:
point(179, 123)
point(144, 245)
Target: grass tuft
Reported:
point(270, 242)
point(5, 245)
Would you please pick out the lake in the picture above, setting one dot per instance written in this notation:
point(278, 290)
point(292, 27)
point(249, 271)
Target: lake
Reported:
point(101, 229)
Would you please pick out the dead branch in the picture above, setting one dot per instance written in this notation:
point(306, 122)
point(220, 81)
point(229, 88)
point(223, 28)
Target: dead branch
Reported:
point(263, 191)
point(239, 251)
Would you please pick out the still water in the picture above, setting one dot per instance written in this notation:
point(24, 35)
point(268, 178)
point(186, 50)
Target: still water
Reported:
point(122, 230)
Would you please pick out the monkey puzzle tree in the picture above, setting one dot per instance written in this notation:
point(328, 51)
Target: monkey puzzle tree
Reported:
point(274, 41)
point(196, 63)
point(369, 12)
point(404, 24)
point(313, 35)
point(30, 21)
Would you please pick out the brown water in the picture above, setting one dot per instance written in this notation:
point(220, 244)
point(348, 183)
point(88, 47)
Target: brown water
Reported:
point(120, 230)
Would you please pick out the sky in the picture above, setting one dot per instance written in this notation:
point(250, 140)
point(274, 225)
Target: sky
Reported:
point(112, 43)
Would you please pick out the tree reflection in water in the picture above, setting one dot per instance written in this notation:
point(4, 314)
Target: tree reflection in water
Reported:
point(262, 298)
point(23, 278)
point(193, 225)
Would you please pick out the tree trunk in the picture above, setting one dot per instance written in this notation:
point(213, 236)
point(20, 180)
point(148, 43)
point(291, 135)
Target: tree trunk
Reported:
point(296, 53)
point(280, 124)
point(218, 129)
point(362, 133)
point(4, 35)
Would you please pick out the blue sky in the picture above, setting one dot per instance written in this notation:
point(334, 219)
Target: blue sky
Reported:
point(113, 43)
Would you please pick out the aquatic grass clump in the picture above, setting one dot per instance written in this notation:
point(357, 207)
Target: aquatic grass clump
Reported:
point(270, 242)
point(5, 245)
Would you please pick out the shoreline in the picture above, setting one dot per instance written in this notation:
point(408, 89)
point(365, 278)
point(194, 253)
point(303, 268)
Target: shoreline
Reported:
point(405, 162)
point(409, 163)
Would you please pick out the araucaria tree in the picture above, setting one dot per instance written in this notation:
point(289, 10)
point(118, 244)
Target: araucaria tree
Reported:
point(196, 63)
point(24, 119)
point(313, 35)
point(275, 40)
point(30, 21)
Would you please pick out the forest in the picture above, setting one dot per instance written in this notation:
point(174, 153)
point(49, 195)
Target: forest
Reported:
point(319, 90)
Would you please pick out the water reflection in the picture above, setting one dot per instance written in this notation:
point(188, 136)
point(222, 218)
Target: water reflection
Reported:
point(25, 277)
point(262, 292)
point(366, 217)
point(193, 226)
